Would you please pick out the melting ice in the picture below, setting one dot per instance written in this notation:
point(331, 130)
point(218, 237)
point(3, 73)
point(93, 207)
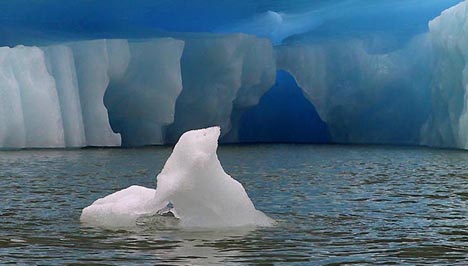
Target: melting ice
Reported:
point(192, 186)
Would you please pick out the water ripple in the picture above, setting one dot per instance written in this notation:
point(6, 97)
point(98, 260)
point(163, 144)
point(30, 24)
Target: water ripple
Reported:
point(335, 205)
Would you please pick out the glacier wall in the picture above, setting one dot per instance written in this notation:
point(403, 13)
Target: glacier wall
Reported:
point(447, 125)
point(61, 66)
point(30, 115)
point(363, 97)
point(141, 98)
point(54, 96)
point(371, 87)
point(95, 67)
point(149, 91)
point(222, 76)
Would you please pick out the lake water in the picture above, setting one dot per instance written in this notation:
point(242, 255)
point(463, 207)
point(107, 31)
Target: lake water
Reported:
point(333, 204)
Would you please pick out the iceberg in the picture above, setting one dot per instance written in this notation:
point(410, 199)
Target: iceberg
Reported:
point(192, 186)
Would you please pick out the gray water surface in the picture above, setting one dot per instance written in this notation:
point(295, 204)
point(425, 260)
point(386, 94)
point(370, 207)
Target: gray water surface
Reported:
point(333, 204)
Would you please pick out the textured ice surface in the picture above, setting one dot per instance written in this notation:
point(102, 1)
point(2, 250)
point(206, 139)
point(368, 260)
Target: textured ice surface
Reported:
point(61, 65)
point(30, 114)
point(376, 72)
point(94, 69)
point(107, 86)
point(142, 101)
point(193, 181)
point(448, 123)
point(120, 209)
point(363, 97)
point(222, 75)
point(12, 131)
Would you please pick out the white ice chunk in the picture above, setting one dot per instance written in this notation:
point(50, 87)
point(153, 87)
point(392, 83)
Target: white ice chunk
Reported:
point(120, 209)
point(203, 195)
point(193, 182)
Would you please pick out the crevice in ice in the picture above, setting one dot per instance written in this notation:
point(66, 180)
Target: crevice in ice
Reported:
point(192, 186)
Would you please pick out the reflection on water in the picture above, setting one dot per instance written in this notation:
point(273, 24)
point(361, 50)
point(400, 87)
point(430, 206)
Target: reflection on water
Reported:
point(334, 205)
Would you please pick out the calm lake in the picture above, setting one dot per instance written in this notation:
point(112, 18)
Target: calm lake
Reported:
point(334, 205)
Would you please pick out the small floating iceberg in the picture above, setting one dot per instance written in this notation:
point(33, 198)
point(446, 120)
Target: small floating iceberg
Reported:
point(192, 186)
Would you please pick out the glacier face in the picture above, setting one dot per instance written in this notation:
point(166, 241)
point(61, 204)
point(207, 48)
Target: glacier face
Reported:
point(93, 67)
point(31, 115)
point(55, 96)
point(97, 91)
point(403, 83)
point(61, 65)
point(141, 102)
point(222, 76)
point(363, 97)
point(12, 132)
point(448, 124)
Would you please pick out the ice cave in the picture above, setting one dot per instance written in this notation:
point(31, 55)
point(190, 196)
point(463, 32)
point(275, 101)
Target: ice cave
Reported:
point(386, 72)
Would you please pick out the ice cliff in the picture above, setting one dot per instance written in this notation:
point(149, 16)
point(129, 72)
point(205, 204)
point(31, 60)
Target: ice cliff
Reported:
point(448, 123)
point(362, 96)
point(92, 93)
point(364, 83)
